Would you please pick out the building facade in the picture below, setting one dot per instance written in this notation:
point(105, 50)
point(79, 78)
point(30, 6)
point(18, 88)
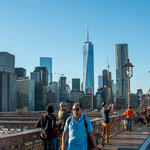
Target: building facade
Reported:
point(76, 84)
point(8, 78)
point(88, 66)
point(35, 76)
point(20, 72)
point(43, 74)
point(121, 80)
point(40, 96)
point(100, 81)
point(26, 94)
point(47, 62)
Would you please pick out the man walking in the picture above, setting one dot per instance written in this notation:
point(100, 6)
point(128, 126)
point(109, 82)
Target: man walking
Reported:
point(47, 123)
point(129, 113)
point(78, 133)
point(105, 123)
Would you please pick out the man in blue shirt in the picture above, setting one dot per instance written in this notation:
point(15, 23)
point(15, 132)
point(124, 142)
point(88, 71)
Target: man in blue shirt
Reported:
point(77, 131)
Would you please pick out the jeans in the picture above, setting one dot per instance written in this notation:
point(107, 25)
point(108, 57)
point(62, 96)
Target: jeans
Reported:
point(56, 143)
point(47, 145)
point(129, 124)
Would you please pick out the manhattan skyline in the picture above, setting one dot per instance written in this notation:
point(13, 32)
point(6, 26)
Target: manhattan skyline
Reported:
point(34, 29)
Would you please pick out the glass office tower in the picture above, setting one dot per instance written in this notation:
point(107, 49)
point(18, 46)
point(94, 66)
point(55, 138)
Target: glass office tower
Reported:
point(121, 80)
point(47, 62)
point(100, 81)
point(76, 84)
point(88, 67)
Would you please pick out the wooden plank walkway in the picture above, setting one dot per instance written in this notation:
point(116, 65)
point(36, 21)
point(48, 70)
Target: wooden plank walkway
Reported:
point(129, 140)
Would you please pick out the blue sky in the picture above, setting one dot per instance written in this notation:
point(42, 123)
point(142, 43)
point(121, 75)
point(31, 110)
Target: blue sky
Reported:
point(31, 29)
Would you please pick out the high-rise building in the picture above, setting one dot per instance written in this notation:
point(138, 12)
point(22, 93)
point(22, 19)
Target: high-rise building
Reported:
point(107, 82)
point(26, 94)
point(40, 96)
point(47, 62)
point(121, 80)
point(52, 89)
point(76, 84)
point(35, 76)
point(20, 72)
point(8, 78)
point(100, 81)
point(88, 65)
point(43, 74)
point(62, 84)
point(63, 94)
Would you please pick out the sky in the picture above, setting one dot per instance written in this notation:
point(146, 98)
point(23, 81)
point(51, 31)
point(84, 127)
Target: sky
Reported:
point(30, 29)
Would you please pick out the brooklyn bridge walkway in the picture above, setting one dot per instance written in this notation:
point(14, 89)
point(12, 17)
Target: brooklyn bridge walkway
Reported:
point(137, 139)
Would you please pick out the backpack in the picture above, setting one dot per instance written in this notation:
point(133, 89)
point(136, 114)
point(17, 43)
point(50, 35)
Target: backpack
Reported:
point(48, 123)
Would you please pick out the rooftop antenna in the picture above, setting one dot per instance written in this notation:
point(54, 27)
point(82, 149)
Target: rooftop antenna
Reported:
point(87, 33)
point(108, 64)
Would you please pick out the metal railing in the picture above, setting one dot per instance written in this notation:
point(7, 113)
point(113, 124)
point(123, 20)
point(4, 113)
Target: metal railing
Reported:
point(30, 139)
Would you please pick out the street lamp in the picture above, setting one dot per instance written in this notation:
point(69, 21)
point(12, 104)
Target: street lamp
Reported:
point(128, 73)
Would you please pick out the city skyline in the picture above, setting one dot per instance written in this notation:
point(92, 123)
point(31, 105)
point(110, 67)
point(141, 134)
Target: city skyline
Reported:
point(30, 30)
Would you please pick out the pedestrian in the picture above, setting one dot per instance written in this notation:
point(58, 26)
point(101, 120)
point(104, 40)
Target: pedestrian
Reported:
point(78, 127)
point(63, 115)
point(146, 115)
point(129, 114)
point(47, 123)
point(139, 119)
point(105, 123)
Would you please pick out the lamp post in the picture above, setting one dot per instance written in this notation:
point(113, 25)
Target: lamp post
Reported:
point(128, 73)
point(140, 97)
point(148, 97)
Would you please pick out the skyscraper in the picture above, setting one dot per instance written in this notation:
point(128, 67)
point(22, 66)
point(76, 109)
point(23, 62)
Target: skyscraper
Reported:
point(20, 72)
point(8, 78)
point(100, 81)
point(43, 74)
point(121, 80)
point(76, 84)
point(26, 94)
point(88, 66)
point(47, 62)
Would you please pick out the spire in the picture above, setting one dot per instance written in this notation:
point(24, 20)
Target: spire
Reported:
point(87, 33)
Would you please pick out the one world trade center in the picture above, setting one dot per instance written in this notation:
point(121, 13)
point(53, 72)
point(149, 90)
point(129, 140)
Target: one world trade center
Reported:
point(88, 66)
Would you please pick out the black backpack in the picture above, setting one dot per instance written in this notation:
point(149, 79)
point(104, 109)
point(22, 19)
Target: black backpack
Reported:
point(48, 124)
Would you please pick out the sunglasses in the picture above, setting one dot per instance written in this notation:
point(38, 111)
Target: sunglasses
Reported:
point(77, 109)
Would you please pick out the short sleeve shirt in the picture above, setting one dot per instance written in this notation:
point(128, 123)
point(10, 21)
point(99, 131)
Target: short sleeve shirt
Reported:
point(105, 115)
point(78, 132)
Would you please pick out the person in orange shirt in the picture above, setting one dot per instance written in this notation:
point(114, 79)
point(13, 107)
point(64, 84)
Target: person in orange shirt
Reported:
point(129, 114)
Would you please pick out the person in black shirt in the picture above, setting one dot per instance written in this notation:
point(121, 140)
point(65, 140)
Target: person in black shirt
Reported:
point(47, 123)
point(105, 123)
